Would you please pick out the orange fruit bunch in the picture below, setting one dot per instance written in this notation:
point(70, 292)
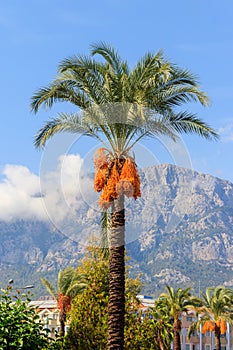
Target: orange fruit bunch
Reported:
point(100, 159)
point(208, 326)
point(222, 325)
point(129, 183)
point(101, 165)
point(109, 192)
point(115, 178)
point(63, 302)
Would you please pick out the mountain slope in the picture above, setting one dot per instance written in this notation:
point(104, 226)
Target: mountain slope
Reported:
point(179, 232)
point(187, 231)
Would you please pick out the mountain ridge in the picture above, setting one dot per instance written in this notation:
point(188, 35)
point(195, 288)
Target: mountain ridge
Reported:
point(179, 232)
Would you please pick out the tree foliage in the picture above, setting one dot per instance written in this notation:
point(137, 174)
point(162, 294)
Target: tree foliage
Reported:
point(89, 313)
point(88, 317)
point(20, 327)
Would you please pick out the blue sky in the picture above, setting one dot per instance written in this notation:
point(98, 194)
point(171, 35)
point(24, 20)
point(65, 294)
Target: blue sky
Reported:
point(36, 35)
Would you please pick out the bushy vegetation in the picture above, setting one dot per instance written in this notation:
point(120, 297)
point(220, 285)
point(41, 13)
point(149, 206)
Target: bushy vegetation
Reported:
point(89, 314)
point(20, 327)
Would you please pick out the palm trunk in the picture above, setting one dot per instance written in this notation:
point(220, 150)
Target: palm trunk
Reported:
point(160, 341)
point(177, 345)
point(217, 338)
point(62, 320)
point(116, 308)
point(177, 329)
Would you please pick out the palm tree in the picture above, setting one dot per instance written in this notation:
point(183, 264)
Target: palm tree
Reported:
point(175, 303)
point(118, 106)
point(69, 284)
point(215, 312)
point(163, 327)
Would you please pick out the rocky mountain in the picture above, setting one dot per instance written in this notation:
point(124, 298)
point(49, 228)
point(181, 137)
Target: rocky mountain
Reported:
point(180, 232)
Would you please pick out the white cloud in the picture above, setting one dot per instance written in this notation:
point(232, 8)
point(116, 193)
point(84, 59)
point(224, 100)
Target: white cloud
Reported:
point(55, 195)
point(19, 194)
point(226, 132)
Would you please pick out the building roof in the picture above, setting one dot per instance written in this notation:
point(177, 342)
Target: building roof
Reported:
point(44, 304)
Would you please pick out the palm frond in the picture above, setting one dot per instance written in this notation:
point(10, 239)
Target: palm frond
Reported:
point(63, 123)
point(49, 288)
point(149, 67)
point(183, 79)
point(73, 123)
point(87, 74)
point(111, 56)
point(64, 279)
point(185, 122)
point(77, 285)
point(105, 232)
point(59, 91)
point(47, 96)
point(177, 95)
point(106, 89)
point(193, 327)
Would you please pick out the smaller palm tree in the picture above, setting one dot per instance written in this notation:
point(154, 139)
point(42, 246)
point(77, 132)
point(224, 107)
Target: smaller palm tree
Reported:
point(163, 328)
point(214, 312)
point(175, 303)
point(69, 284)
